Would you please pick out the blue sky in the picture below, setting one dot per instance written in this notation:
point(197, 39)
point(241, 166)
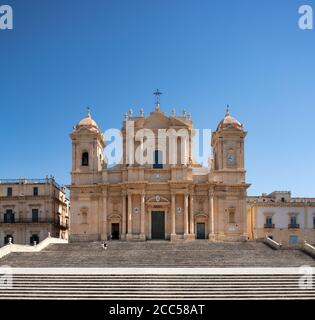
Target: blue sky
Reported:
point(111, 54)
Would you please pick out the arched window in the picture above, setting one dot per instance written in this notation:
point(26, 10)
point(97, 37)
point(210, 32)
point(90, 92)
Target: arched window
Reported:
point(158, 160)
point(85, 159)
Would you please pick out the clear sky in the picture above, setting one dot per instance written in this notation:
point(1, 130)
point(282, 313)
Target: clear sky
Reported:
point(111, 54)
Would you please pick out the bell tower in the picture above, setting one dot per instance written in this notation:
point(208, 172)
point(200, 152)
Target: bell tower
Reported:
point(87, 152)
point(228, 151)
point(227, 179)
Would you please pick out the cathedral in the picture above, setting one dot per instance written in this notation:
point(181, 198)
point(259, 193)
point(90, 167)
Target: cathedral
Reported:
point(172, 200)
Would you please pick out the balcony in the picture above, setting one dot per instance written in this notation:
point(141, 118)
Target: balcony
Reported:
point(23, 220)
point(62, 225)
point(269, 226)
point(293, 226)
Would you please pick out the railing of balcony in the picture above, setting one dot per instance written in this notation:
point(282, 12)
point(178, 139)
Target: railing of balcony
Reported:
point(27, 220)
point(269, 225)
point(25, 181)
point(293, 226)
point(12, 219)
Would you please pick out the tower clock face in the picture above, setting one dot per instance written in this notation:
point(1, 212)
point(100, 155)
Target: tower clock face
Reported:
point(231, 159)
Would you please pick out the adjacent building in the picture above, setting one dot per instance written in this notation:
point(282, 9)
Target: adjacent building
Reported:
point(30, 209)
point(282, 217)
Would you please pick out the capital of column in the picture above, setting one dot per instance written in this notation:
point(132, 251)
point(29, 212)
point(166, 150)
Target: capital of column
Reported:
point(211, 193)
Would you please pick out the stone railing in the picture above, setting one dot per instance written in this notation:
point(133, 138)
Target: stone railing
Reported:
point(272, 243)
point(308, 248)
point(7, 249)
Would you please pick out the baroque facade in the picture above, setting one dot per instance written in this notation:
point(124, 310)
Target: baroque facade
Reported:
point(163, 200)
point(30, 209)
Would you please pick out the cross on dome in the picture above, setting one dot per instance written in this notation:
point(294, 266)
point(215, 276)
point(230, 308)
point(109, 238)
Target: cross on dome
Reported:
point(157, 94)
point(227, 113)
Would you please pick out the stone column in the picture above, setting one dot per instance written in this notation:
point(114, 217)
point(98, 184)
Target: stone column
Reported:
point(185, 215)
point(129, 234)
point(173, 221)
point(191, 217)
point(150, 223)
point(104, 235)
point(123, 216)
point(142, 217)
point(305, 218)
point(211, 216)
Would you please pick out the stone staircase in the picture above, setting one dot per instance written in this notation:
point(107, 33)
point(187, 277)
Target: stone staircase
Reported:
point(156, 286)
point(159, 254)
point(183, 270)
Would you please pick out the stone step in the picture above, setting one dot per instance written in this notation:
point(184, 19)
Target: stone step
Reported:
point(158, 286)
point(160, 254)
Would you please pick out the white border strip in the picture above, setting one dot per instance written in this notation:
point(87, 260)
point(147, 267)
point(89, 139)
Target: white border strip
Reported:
point(164, 271)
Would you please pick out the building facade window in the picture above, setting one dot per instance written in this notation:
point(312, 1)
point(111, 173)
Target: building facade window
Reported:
point(85, 159)
point(7, 237)
point(33, 238)
point(34, 215)
point(293, 239)
point(293, 222)
point(9, 192)
point(158, 159)
point(269, 222)
point(9, 216)
point(35, 191)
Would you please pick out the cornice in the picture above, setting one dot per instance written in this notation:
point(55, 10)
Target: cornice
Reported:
point(280, 204)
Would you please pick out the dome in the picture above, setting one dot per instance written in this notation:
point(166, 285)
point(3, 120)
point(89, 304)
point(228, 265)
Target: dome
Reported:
point(229, 121)
point(88, 121)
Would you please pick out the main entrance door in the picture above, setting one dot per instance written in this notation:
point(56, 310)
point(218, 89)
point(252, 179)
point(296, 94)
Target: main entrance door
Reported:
point(115, 231)
point(201, 234)
point(157, 225)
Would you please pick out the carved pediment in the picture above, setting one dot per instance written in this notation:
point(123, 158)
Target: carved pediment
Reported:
point(157, 120)
point(201, 214)
point(114, 216)
point(156, 199)
point(178, 122)
point(84, 208)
